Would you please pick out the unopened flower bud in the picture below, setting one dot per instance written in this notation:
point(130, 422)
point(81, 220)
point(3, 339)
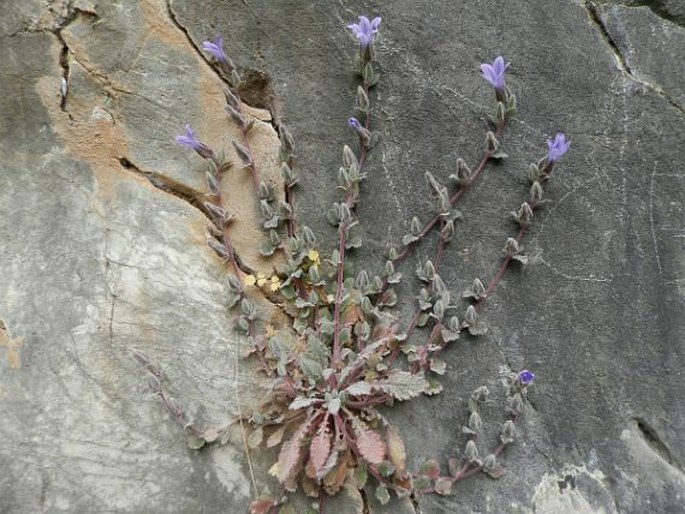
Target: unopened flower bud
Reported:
point(344, 214)
point(475, 422)
point(286, 139)
point(534, 173)
point(274, 238)
point(415, 227)
point(516, 403)
point(308, 236)
point(433, 185)
point(294, 245)
point(478, 288)
point(471, 452)
point(491, 143)
point(447, 232)
point(439, 309)
point(453, 324)
point(471, 315)
point(234, 284)
point(362, 99)
point(481, 394)
point(393, 254)
point(267, 210)
point(443, 204)
point(366, 305)
point(212, 183)
point(535, 192)
point(349, 159)
point(429, 270)
point(231, 99)
point(489, 462)
point(389, 268)
point(511, 247)
point(500, 112)
point(362, 280)
point(438, 284)
point(314, 276)
point(343, 177)
point(524, 214)
point(463, 171)
point(507, 433)
point(263, 191)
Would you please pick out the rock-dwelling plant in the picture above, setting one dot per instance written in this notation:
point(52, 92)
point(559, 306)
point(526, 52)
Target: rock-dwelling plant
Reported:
point(345, 355)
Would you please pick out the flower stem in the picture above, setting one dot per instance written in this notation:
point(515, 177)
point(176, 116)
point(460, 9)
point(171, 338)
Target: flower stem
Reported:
point(453, 201)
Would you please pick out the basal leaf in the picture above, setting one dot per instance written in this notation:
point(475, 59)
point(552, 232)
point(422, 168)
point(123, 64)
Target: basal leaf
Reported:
point(369, 443)
point(402, 385)
point(320, 449)
point(396, 450)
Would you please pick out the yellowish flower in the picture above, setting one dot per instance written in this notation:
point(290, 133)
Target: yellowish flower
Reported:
point(250, 280)
point(261, 279)
point(275, 283)
point(313, 256)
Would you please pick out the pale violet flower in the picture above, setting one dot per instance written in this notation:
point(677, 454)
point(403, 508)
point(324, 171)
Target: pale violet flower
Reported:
point(215, 48)
point(365, 30)
point(188, 139)
point(354, 123)
point(557, 147)
point(494, 73)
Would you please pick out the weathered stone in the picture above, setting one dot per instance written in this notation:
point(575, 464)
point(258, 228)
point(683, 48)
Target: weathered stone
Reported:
point(103, 249)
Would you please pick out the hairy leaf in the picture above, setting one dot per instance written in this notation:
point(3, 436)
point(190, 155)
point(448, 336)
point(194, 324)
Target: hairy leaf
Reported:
point(369, 443)
point(333, 481)
point(443, 486)
point(402, 385)
point(262, 505)
point(290, 458)
point(301, 403)
point(359, 389)
point(382, 494)
point(275, 438)
point(431, 469)
point(396, 450)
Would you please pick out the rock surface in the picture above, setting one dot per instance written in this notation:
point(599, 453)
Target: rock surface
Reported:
point(103, 245)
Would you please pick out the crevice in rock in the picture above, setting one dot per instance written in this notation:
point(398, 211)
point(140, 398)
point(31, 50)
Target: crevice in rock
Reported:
point(64, 65)
point(63, 19)
point(415, 503)
point(365, 502)
point(651, 437)
point(255, 87)
point(188, 195)
point(596, 18)
point(171, 186)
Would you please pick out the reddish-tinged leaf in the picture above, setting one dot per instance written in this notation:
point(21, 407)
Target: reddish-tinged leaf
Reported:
point(334, 480)
point(261, 505)
point(431, 469)
point(443, 486)
point(396, 450)
point(290, 458)
point(310, 487)
point(454, 466)
point(275, 438)
point(496, 472)
point(320, 449)
point(369, 443)
point(351, 314)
